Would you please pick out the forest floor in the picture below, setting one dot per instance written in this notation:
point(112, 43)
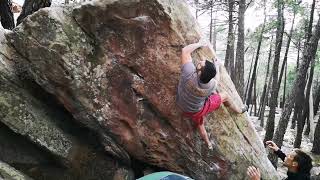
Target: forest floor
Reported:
point(289, 137)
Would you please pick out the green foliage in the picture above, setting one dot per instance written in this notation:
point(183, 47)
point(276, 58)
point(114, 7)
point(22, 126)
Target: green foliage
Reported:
point(299, 31)
point(220, 29)
point(271, 25)
point(292, 72)
point(294, 6)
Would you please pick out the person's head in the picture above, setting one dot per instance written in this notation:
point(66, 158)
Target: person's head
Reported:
point(298, 161)
point(206, 71)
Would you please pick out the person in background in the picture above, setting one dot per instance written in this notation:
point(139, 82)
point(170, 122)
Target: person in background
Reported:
point(298, 163)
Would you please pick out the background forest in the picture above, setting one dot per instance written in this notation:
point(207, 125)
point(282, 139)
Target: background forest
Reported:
point(268, 49)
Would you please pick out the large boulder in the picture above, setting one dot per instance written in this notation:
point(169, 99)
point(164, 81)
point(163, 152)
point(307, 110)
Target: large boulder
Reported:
point(115, 66)
point(27, 114)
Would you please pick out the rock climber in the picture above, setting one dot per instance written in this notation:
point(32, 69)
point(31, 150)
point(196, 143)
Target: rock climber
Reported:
point(197, 93)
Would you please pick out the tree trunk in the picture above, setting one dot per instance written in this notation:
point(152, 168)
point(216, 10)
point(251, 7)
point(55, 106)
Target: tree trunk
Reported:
point(274, 88)
point(214, 36)
point(311, 117)
point(306, 118)
point(317, 101)
point(265, 99)
point(300, 125)
point(299, 84)
point(265, 92)
point(286, 53)
point(254, 72)
point(295, 116)
point(309, 32)
point(255, 97)
point(304, 108)
point(6, 15)
point(31, 6)
point(262, 100)
point(316, 142)
point(308, 91)
point(229, 59)
point(239, 64)
point(251, 109)
point(197, 7)
point(284, 85)
point(298, 56)
point(211, 20)
point(249, 75)
point(296, 109)
point(284, 64)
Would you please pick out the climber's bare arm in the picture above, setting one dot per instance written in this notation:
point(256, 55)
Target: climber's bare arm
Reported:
point(187, 50)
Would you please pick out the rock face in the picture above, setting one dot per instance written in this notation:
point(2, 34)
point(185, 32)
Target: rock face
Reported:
point(7, 172)
point(113, 67)
point(27, 113)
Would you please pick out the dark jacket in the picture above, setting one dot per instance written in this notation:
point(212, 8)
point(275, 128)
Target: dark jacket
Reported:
point(292, 176)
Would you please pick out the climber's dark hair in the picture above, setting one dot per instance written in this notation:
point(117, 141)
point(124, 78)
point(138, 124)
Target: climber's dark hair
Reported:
point(208, 72)
point(304, 162)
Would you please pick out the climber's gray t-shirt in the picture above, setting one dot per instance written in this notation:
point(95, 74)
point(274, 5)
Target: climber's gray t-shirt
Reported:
point(192, 94)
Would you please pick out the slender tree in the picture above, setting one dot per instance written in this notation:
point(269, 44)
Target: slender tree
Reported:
point(298, 54)
point(295, 116)
point(6, 15)
point(308, 94)
point(214, 35)
point(295, 106)
point(303, 111)
point(285, 85)
point(249, 75)
point(254, 71)
point(274, 88)
point(309, 32)
point(298, 106)
point(311, 116)
point(286, 52)
point(316, 101)
point(229, 59)
point(239, 64)
point(300, 123)
point(298, 85)
point(255, 97)
point(309, 85)
point(196, 2)
point(31, 6)
point(265, 91)
point(211, 20)
point(316, 142)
